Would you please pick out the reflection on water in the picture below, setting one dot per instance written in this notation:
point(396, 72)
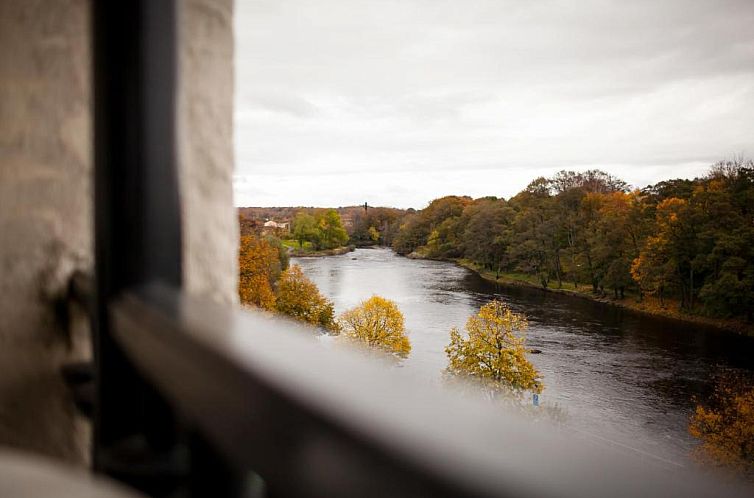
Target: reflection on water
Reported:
point(620, 376)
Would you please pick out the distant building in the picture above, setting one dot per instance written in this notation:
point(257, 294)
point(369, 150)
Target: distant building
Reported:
point(273, 224)
point(274, 228)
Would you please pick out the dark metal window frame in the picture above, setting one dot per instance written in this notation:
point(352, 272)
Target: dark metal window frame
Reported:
point(195, 399)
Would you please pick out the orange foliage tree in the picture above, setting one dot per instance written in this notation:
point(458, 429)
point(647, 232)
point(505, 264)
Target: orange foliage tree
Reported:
point(259, 266)
point(725, 426)
point(656, 267)
point(297, 296)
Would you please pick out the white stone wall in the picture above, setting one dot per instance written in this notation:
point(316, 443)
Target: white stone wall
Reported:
point(45, 216)
point(46, 197)
point(210, 222)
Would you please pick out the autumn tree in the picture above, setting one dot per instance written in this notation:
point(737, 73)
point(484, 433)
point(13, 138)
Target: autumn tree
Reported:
point(620, 230)
point(488, 233)
point(376, 225)
point(725, 426)
point(247, 226)
point(377, 323)
point(435, 229)
point(299, 297)
point(659, 266)
point(412, 234)
point(689, 242)
point(259, 266)
point(534, 233)
point(493, 351)
point(443, 220)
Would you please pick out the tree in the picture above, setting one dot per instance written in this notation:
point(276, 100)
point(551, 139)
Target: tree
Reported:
point(534, 239)
point(725, 426)
point(660, 265)
point(304, 228)
point(377, 225)
point(493, 351)
point(330, 230)
point(378, 323)
point(413, 233)
point(259, 266)
point(298, 297)
point(724, 258)
point(688, 242)
point(283, 256)
point(487, 233)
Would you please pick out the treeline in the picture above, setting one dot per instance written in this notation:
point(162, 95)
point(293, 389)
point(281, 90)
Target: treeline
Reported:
point(356, 226)
point(323, 228)
point(365, 226)
point(687, 240)
point(375, 225)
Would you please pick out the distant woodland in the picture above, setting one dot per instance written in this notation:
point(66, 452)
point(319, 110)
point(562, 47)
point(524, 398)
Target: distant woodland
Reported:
point(691, 241)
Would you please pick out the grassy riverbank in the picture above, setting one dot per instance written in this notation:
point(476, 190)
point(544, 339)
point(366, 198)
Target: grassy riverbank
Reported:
point(648, 305)
point(295, 250)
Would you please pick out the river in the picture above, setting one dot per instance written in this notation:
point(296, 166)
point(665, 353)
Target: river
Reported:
point(621, 377)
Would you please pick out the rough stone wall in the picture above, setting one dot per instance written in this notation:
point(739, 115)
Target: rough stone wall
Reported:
point(46, 197)
point(45, 217)
point(210, 222)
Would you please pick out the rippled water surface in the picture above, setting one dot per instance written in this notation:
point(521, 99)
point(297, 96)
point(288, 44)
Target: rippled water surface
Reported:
point(622, 378)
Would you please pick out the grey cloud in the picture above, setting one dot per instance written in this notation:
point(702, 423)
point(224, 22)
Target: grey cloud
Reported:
point(279, 103)
point(335, 86)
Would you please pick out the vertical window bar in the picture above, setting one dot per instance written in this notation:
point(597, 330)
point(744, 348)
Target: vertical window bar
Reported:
point(137, 226)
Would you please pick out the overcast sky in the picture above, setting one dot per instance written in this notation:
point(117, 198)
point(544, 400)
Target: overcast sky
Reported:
point(397, 102)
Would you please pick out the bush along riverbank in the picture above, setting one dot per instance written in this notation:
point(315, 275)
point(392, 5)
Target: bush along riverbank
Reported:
point(649, 305)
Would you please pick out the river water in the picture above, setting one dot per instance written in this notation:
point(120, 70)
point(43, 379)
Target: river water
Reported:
point(622, 378)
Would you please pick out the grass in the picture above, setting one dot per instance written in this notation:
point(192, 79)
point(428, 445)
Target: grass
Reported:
point(525, 279)
point(670, 308)
point(293, 244)
point(294, 249)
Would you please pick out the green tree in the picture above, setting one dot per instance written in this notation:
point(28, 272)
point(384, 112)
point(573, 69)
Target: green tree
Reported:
point(724, 254)
point(411, 235)
point(377, 323)
point(493, 351)
point(535, 234)
point(440, 220)
point(305, 228)
point(488, 233)
point(330, 230)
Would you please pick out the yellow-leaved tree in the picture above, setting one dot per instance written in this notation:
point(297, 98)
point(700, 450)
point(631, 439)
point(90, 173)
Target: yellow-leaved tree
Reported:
point(297, 296)
point(725, 426)
point(378, 323)
point(493, 351)
point(259, 265)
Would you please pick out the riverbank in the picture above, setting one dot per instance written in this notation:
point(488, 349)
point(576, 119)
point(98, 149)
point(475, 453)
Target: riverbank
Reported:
point(649, 305)
point(309, 253)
